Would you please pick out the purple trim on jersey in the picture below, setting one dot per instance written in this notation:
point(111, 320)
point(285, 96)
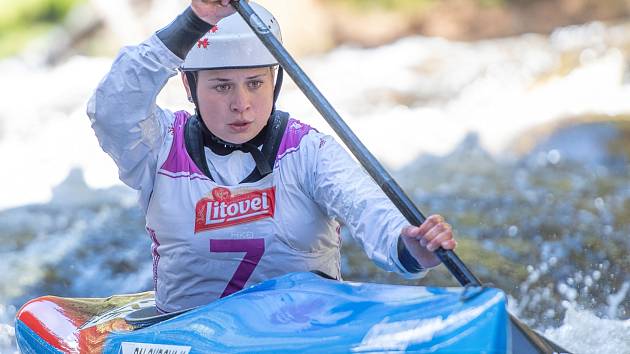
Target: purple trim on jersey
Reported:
point(178, 163)
point(160, 309)
point(293, 135)
point(156, 255)
point(185, 175)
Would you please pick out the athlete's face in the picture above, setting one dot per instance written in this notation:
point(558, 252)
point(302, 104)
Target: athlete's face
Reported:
point(235, 104)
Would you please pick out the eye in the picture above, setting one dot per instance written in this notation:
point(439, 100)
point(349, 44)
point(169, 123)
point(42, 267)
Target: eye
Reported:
point(254, 84)
point(222, 88)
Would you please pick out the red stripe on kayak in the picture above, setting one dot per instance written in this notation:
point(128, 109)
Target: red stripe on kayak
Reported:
point(48, 320)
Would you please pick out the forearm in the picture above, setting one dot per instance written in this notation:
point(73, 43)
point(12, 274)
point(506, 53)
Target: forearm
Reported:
point(128, 123)
point(127, 94)
point(346, 192)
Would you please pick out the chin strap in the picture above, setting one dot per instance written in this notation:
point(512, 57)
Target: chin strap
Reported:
point(191, 77)
point(276, 89)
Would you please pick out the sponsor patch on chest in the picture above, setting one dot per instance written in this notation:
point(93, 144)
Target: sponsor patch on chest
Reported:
point(222, 209)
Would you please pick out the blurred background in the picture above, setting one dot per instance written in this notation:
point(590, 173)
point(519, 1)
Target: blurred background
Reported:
point(510, 117)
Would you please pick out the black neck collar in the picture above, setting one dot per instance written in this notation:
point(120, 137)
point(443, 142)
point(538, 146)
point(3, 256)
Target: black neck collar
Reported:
point(222, 147)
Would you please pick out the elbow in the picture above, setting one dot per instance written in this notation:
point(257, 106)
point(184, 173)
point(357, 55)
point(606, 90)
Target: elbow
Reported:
point(91, 109)
point(96, 111)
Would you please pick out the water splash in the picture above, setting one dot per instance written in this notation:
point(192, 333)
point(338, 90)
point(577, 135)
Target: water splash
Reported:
point(7, 332)
point(614, 300)
point(583, 333)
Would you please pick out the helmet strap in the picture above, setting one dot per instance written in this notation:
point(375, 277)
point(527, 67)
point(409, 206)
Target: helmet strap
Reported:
point(276, 89)
point(191, 77)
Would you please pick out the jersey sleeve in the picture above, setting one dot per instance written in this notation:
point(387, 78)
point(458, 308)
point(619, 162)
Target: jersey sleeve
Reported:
point(123, 112)
point(343, 189)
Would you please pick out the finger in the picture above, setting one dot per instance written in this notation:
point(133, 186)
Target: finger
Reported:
point(449, 244)
point(426, 238)
point(429, 223)
point(221, 3)
point(440, 240)
point(414, 233)
point(434, 232)
point(411, 231)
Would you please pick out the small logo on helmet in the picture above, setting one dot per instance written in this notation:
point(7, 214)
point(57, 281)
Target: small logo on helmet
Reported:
point(202, 43)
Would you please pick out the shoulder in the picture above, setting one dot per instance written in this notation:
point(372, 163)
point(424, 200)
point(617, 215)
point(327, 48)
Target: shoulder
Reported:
point(179, 118)
point(171, 126)
point(300, 137)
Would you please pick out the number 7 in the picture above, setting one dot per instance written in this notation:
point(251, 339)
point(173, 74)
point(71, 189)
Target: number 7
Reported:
point(253, 248)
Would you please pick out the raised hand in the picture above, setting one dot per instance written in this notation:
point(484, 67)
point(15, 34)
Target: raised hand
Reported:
point(212, 11)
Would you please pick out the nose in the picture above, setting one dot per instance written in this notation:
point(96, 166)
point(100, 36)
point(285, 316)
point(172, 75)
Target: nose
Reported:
point(240, 101)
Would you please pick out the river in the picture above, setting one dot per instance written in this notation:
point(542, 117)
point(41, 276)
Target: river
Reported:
point(449, 119)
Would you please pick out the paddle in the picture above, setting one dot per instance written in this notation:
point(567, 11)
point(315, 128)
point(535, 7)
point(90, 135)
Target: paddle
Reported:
point(525, 340)
point(369, 162)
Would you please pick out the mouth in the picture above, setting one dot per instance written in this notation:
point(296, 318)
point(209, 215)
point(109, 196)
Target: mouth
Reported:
point(240, 124)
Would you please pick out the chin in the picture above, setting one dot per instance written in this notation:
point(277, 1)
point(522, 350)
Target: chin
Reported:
point(239, 139)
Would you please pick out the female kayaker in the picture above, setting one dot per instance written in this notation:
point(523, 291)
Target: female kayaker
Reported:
point(239, 192)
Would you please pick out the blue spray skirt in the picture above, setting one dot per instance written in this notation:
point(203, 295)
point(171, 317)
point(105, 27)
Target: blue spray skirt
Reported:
point(298, 312)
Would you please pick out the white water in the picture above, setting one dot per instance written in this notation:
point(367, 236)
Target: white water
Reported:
point(583, 332)
point(415, 96)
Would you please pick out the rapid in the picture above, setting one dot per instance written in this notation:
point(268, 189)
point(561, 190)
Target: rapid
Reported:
point(476, 126)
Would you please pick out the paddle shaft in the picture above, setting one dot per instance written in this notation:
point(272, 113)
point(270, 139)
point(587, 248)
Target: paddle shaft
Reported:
point(367, 160)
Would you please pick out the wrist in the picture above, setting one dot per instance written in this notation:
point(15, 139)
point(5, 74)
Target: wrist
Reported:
point(182, 34)
point(199, 16)
point(197, 20)
point(425, 258)
point(408, 261)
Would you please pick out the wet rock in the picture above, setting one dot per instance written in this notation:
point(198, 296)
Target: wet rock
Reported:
point(591, 144)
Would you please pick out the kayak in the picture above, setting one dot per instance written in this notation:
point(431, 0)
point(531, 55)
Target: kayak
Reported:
point(297, 312)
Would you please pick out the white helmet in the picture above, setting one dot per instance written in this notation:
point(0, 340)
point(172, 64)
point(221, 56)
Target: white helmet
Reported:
point(233, 44)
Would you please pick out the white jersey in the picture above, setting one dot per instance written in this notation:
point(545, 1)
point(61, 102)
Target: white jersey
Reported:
point(214, 236)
